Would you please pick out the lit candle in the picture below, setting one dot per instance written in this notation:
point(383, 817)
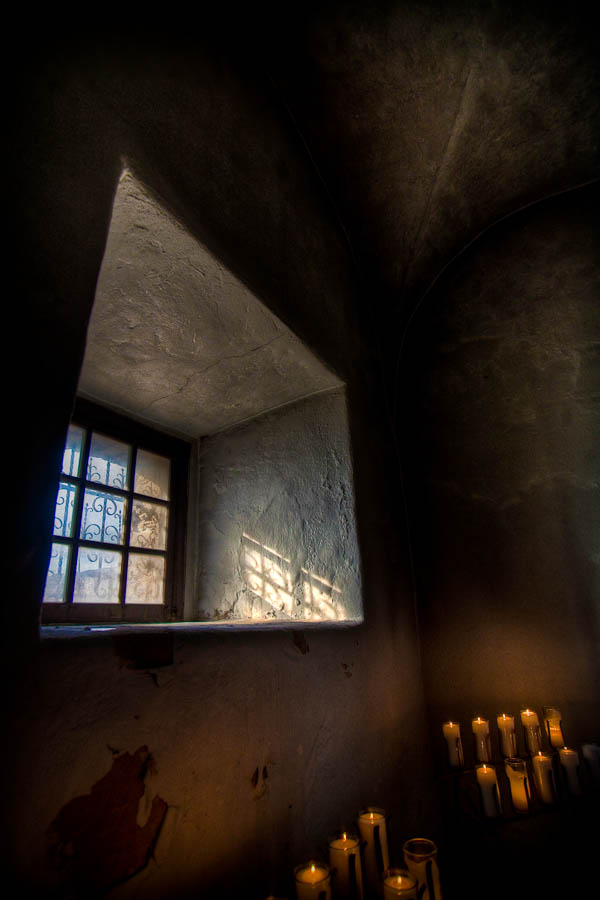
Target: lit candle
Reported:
point(312, 881)
point(344, 857)
point(591, 754)
point(451, 732)
point(516, 771)
point(481, 732)
point(569, 760)
point(544, 777)
point(533, 733)
point(399, 883)
point(420, 858)
point(508, 738)
point(373, 831)
point(553, 725)
point(488, 785)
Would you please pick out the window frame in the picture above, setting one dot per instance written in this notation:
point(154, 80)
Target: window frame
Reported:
point(93, 417)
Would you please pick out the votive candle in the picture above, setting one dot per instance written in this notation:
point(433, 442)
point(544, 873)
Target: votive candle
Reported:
point(481, 733)
point(569, 760)
point(399, 883)
point(420, 858)
point(488, 786)
point(344, 858)
point(508, 738)
point(544, 777)
point(373, 831)
point(553, 725)
point(313, 881)
point(516, 771)
point(531, 727)
point(451, 731)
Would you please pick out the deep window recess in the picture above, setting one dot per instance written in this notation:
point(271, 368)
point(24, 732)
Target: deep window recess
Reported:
point(119, 523)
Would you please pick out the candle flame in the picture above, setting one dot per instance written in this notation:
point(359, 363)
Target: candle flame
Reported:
point(372, 816)
point(344, 836)
point(312, 869)
point(478, 720)
point(484, 768)
point(504, 715)
point(450, 723)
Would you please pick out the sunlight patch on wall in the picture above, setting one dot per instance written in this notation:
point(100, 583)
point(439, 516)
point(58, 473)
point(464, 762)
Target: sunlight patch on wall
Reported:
point(285, 591)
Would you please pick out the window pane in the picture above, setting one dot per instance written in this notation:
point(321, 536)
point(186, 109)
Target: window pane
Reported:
point(145, 579)
point(72, 453)
point(63, 511)
point(102, 517)
point(108, 462)
point(56, 579)
point(152, 475)
point(148, 525)
point(98, 576)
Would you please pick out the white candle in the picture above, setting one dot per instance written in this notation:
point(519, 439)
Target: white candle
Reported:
point(544, 778)
point(420, 858)
point(312, 881)
point(591, 754)
point(451, 731)
point(344, 857)
point(399, 883)
point(569, 760)
point(553, 724)
point(531, 727)
point(481, 732)
point(516, 771)
point(373, 831)
point(488, 785)
point(508, 738)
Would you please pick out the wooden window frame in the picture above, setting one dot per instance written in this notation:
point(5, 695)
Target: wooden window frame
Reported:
point(93, 417)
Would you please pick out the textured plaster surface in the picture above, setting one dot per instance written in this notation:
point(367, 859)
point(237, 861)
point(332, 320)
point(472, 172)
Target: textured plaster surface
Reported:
point(505, 450)
point(176, 339)
point(277, 537)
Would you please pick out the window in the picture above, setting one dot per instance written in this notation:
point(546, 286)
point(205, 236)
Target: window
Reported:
point(119, 523)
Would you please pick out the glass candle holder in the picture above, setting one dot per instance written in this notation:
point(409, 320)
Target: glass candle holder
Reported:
point(373, 831)
point(481, 736)
point(516, 772)
point(399, 883)
point(344, 860)
point(313, 881)
point(569, 760)
point(506, 733)
point(488, 788)
point(553, 726)
point(420, 858)
point(451, 731)
point(532, 731)
point(544, 777)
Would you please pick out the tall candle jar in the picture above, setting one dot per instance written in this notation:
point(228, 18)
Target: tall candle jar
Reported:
point(569, 760)
point(508, 738)
point(373, 831)
point(399, 883)
point(543, 776)
point(313, 881)
point(451, 731)
point(481, 736)
point(488, 787)
point(344, 860)
point(532, 731)
point(516, 772)
point(553, 726)
point(420, 858)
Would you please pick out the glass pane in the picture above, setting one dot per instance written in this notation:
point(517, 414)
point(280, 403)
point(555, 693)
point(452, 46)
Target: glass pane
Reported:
point(98, 576)
point(148, 525)
point(72, 453)
point(145, 579)
point(63, 511)
point(108, 462)
point(56, 579)
point(152, 475)
point(102, 517)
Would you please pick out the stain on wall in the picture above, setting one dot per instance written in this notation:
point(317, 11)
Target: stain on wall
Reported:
point(95, 841)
